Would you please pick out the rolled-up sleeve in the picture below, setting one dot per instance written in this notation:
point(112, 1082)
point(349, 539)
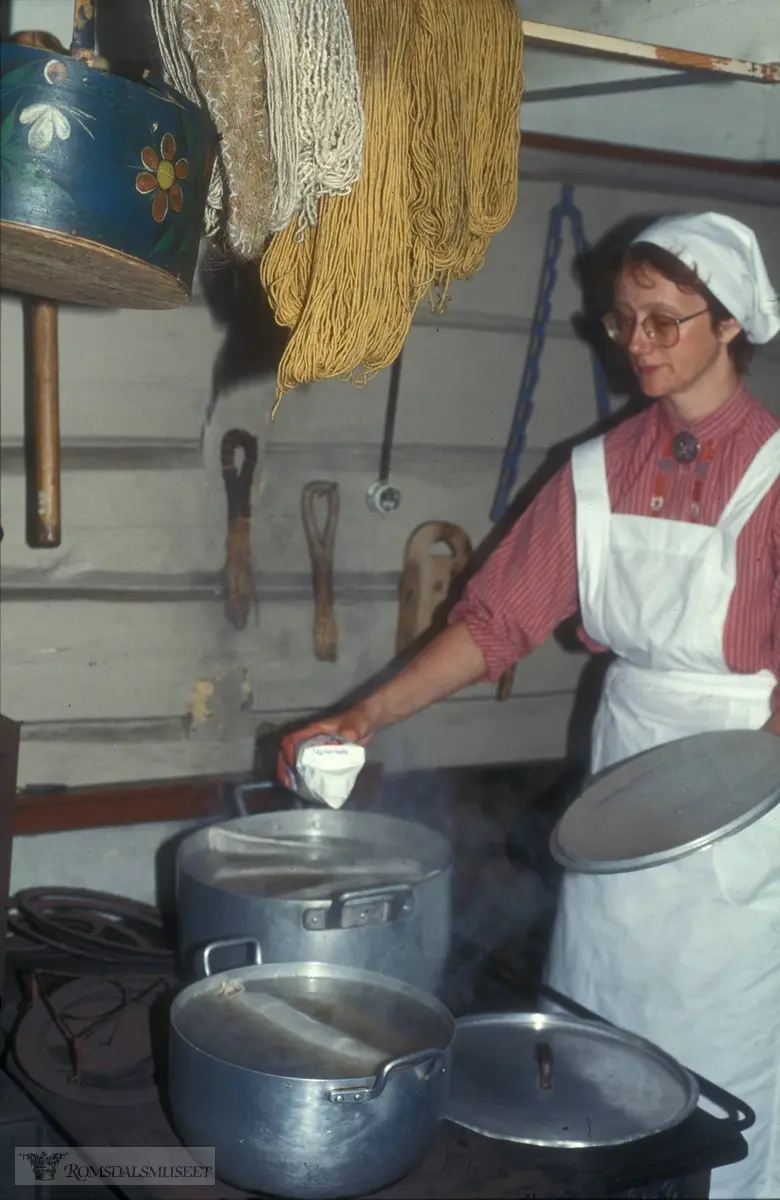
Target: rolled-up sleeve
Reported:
point(528, 586)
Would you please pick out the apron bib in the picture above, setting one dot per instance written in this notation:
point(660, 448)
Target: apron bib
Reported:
point(686, 954)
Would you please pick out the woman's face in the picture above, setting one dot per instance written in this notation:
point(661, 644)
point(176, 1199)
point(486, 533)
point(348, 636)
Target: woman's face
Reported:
point(662, 371)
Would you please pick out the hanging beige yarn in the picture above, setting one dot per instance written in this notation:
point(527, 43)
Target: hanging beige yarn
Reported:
point(280, 81)
point(179, 73)
point(225, 45)
point(442, 84)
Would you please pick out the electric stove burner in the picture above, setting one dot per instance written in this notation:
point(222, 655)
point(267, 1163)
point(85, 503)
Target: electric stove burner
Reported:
point(89, 1039)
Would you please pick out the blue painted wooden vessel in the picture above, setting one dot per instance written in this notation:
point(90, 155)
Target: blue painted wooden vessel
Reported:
point(104, 181)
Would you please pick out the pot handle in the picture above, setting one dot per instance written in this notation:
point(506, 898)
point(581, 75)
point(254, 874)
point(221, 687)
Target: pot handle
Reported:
point(357, 1095)
point(738, 1115)
point(399, 898)
point(203, 959)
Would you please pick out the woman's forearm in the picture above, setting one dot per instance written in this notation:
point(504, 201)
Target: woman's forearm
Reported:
point(451, 661)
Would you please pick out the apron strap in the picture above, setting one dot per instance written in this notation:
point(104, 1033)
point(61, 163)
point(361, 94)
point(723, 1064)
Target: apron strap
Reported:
point(589, 472)
point(754, 486)
point(592, 514)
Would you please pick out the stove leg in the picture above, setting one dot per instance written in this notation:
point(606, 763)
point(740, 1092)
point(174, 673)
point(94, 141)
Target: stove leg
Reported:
point(696, 1187)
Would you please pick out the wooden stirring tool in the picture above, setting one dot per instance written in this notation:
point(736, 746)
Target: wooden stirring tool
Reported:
point(321, 542)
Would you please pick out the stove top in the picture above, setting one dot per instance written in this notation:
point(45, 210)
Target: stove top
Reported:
point(88, 1047)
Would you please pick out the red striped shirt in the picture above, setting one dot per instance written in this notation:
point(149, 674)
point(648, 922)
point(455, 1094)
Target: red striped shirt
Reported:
point(528, 586)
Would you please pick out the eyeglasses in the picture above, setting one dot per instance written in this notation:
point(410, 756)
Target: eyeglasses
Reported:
point(658, 328)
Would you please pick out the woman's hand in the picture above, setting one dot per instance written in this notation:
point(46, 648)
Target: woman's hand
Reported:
point(354, 725)
point(450, 661)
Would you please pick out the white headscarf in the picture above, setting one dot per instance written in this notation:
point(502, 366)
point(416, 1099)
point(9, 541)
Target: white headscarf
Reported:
point(725, 255)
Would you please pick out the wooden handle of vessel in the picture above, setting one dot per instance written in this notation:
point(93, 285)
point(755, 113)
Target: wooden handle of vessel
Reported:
point(45, 529)
point(321, 543)
point(506, 683)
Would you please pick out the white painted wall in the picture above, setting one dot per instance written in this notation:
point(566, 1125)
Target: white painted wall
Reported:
point(106, 687)
point(133, 861)
point(708, 115)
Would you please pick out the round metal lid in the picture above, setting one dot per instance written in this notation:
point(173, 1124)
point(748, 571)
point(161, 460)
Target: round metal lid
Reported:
point(669, 802)
point(563, 1082)
point(310, 854)
point(309, 1020)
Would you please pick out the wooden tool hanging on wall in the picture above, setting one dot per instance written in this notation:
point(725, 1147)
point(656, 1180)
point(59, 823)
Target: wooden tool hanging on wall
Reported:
point(321, 541)
point(428, 576)
point(239, 579)
point(105, 181)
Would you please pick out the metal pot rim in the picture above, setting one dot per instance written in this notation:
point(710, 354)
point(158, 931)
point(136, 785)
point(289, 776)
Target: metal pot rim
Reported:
point(274, 970)
point(196, 843)
point(293, 903)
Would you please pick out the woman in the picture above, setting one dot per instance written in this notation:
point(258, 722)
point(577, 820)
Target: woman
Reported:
point(665, 535)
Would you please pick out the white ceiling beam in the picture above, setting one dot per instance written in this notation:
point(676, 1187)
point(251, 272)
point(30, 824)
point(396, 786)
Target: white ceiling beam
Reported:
point(559, 37)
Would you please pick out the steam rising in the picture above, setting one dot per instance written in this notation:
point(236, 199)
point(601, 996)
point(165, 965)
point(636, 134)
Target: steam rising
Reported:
point(498, 906)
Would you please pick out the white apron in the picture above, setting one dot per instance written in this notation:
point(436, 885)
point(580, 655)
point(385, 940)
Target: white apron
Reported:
point(686, 954)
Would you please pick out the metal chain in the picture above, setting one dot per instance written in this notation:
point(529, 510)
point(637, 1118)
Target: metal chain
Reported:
point(539, 326)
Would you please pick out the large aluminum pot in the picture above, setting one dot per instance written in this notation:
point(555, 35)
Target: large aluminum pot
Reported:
point(309, 1080)
point(353, 889)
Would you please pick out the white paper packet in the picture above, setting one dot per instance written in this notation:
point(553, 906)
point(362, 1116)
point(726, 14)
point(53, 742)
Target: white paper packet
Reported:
point(326, 768)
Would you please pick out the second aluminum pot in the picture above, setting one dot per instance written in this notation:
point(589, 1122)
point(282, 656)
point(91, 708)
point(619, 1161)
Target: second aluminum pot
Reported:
point(348, 888)
point(310, 1081)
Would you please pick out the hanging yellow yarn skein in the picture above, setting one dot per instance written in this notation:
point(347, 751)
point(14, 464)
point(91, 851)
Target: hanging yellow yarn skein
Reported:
point(356, 312)
point(438, 159)
point(493, 85)
point(285, 270)
point(442, 84)
point(494, 90)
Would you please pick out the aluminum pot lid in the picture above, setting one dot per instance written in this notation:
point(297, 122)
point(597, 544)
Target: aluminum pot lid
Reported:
point(560, 1081)
point(309, 1020)
point(669, 802)
point(312, 854)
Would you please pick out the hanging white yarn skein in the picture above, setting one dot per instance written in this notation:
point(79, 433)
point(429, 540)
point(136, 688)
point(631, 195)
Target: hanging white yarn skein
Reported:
point(314, 104)
point(282, 73)
point(330, 105)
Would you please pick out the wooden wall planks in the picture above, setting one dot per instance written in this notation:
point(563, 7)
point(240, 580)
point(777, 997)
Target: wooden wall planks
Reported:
point(106, 641)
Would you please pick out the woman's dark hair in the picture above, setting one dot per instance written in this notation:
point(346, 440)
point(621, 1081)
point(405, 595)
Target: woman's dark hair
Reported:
point(646, 254)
